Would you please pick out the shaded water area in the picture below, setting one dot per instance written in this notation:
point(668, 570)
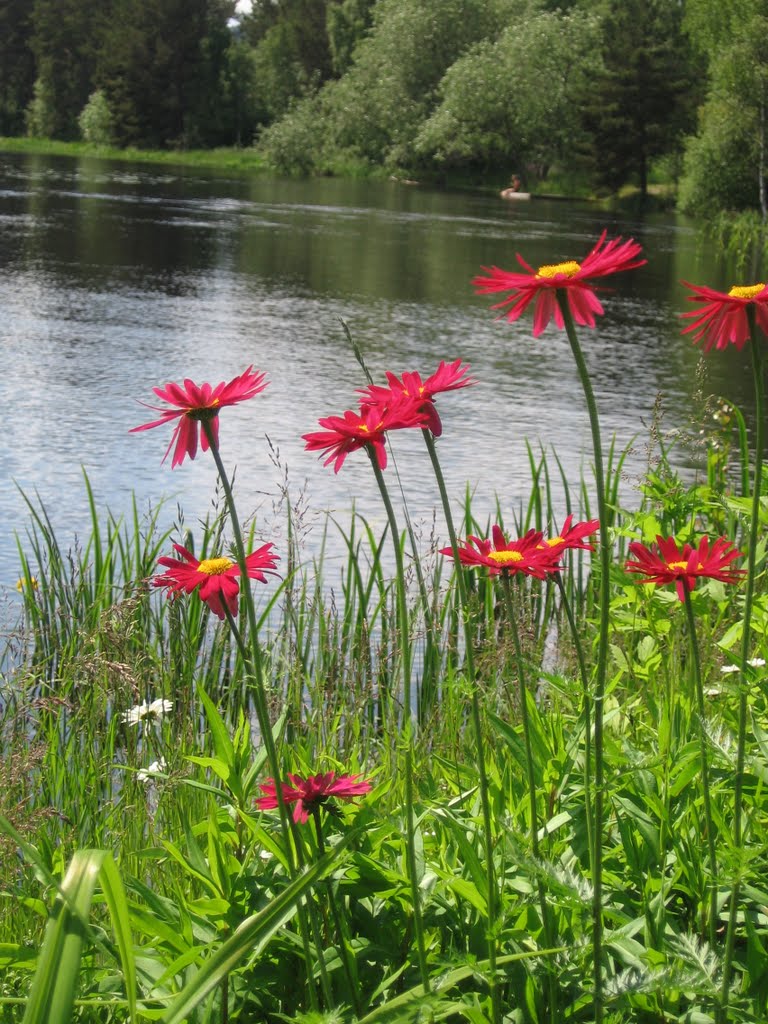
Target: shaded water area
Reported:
point(116, 277)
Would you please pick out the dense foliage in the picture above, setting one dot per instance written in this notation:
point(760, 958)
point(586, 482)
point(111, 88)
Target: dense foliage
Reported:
point(144, 876)
point(602, 93)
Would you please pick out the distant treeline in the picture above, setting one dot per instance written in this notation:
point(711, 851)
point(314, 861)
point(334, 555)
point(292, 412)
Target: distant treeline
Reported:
point(603, 92)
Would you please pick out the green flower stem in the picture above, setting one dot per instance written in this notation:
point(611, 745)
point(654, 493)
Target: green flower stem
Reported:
point(602, 652)
point(521, 676)
point(290, 848)
point(587, 715)
point(759, 382)
point(711, 851)
point(254, 659)
point(491, 893)
point(405, 657)
point(346, 963)
point(428, 691)
point(531, 772)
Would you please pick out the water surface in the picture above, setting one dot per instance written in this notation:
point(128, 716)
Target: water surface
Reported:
point(115, 278)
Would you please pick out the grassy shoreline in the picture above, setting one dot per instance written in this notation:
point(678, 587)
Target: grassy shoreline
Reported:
point(249, 160)
point(225, 158)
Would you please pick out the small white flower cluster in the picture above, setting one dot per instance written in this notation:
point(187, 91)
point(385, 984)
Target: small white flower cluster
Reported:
point(156, 768)
point(147, 709)
point(753, 663)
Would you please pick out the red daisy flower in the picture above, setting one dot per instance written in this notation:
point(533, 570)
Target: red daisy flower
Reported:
point(664, 563)
point(311, 793)
point(195, 403)
point(447, 377)
point(573, 536)
point(366, 429)
point(572, 277)
point(721, 319)
point(526, 555)
point(215, 579)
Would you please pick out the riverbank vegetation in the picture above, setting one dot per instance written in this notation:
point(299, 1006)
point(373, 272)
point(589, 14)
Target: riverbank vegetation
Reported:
point(596, 93)
point(522, 759)
point(223, 157)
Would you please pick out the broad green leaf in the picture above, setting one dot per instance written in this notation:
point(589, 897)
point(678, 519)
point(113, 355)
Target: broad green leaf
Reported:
point(217, 766)
point(52, 995)
point(469, 892)
point(12, 954)
point(252, 935)
point(222, 743)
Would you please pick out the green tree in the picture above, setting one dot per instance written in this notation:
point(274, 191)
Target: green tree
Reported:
point(725, 162)
point(17, 64)
point(642, 101)
point(95, 120)
point(160, 68)
point(40, 115)
point(509, 101)
point(347, 23)
point(375, 111)
point(65, 40)
point(292, 54)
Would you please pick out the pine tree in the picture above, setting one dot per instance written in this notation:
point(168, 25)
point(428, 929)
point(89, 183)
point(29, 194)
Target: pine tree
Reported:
point(17, 64)
point(643, 99)
point(160, 69)
point(65, 40)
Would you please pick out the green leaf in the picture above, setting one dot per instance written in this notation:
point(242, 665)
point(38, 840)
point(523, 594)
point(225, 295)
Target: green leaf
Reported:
point(222, 743)
point(406, 1006)
point(217, 766)
point(52, 995)
point(12, 954)
point(645, 649)
point(114, 894)
point(252, 935)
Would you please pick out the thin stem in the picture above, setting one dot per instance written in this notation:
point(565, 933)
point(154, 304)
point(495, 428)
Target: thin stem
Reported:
point(521, 677)
point(352, 986)
point(587, 715)
point(712, 854)
point(602, 651)
point(252, 657)
point(405, 657)
point(757, 373)
point(262, 703)
point(531, 772)
point(485, 803)
point(431, 654)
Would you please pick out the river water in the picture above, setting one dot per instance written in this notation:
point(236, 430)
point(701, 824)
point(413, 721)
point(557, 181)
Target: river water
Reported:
point(115, 278)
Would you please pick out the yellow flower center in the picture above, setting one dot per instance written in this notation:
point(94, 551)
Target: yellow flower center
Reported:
point(215, 566)
point(552, 542)
point(567, 269)
point(678, 565)
point(745, 291)
point(505, 557)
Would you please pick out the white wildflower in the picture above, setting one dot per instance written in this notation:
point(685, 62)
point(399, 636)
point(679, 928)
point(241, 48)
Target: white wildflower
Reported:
point(156, 768)
point(752, 662)
point(154, 709)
